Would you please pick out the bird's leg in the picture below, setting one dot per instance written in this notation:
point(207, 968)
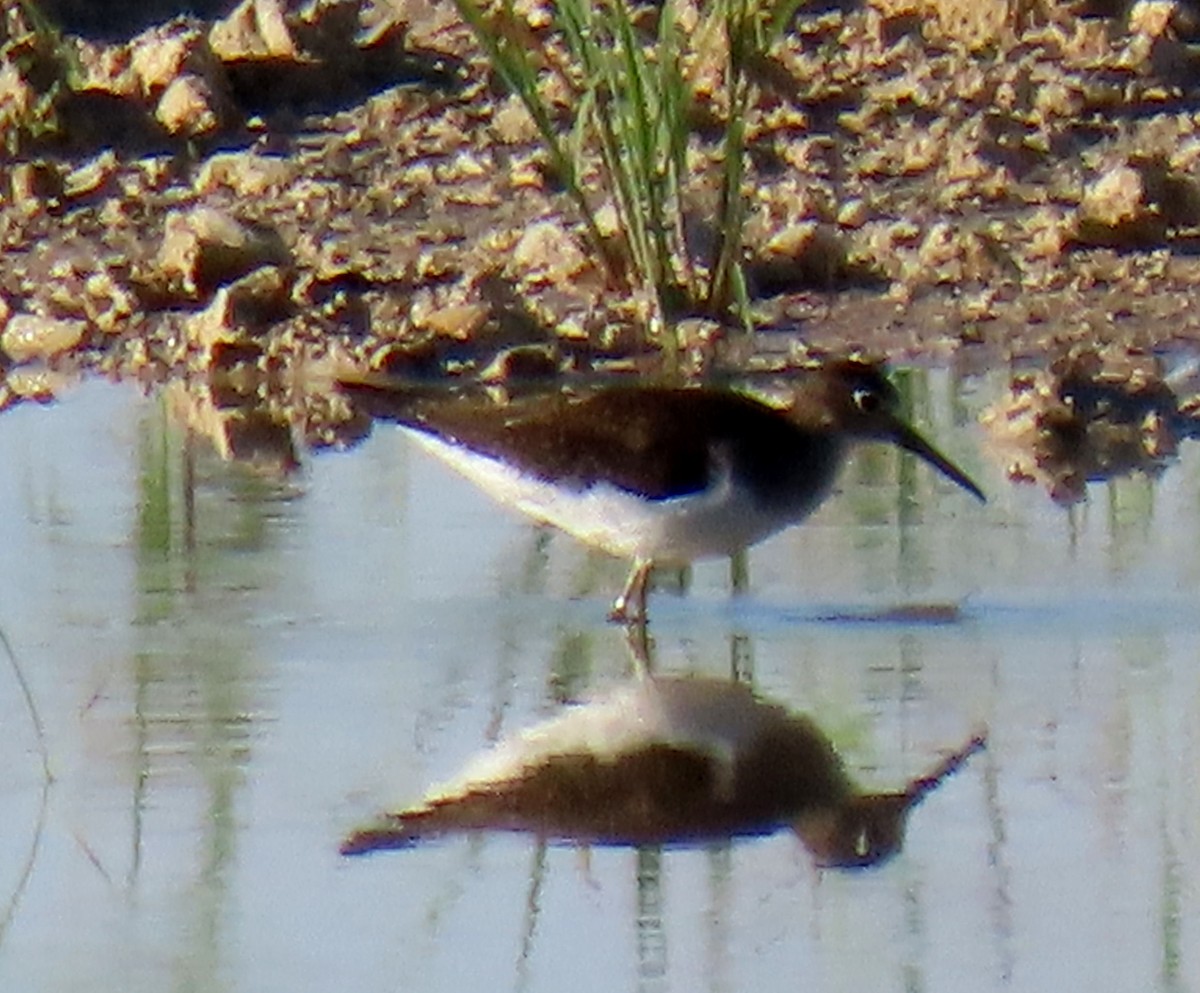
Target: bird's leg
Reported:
point(637, 640)
point(630, 606)
point(637, 633)
point(583, 858)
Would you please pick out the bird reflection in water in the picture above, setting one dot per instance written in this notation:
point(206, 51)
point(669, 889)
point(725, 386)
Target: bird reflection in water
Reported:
point(668, 761)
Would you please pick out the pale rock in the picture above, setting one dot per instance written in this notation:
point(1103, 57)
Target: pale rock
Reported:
point(28, 337)
point(459, 321)
point(853, 214)
point(108, 304)
point(1152, 18)
point(93, 176)
point(205, 247)
point(255, 29)
point(245, 173)
point(522, 362)
point(105, 68)
point(36, 382)
point(548, 253)
point(188, 107)
point(1114, 211)
point(241, 311)
point(158, 56)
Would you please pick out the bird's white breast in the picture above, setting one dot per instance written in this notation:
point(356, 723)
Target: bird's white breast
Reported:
point(721, 520)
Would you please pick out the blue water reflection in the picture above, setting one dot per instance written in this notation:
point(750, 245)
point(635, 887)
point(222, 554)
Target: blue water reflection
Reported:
point(233, 669)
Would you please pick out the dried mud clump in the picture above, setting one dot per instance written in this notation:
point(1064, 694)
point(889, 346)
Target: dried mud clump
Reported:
point(189, 80)
point(28, 337)
point(1090, 416)
point(1137, 204)
point(204, 248)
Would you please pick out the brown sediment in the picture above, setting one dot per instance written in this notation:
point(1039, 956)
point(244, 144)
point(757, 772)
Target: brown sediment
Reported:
point(925, 179)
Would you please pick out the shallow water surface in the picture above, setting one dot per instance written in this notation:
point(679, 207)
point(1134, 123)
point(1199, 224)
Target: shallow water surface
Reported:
point(231, 671)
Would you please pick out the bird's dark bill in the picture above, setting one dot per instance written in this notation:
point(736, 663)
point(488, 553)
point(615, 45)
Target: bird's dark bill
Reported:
point(908, 439)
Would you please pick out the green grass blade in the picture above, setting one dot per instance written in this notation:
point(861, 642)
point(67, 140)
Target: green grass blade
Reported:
point(631, 115)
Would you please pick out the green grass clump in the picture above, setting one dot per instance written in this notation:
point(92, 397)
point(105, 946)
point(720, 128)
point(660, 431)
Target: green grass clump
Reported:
point(630, 123)
point(33, 45)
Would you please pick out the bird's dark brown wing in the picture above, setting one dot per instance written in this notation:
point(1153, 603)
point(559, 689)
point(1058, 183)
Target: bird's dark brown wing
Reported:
point(655, 441)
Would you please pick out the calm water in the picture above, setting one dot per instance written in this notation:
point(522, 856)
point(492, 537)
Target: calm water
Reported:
point(232, 671)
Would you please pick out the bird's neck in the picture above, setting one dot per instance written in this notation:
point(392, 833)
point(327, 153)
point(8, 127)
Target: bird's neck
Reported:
point(798, 477)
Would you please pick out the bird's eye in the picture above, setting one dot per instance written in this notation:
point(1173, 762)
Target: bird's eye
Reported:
point(867, 400)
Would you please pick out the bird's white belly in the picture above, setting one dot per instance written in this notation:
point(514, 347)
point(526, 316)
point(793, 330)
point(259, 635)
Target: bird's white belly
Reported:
point(719, 521)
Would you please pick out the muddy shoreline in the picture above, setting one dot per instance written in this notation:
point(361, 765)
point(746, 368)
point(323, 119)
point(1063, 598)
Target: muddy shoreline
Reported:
point(920, 188)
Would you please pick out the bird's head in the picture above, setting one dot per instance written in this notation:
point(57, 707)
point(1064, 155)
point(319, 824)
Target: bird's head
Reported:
point(855, 398)
point(863, 832)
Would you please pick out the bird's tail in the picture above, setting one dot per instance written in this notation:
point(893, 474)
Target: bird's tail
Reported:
point(920, 788)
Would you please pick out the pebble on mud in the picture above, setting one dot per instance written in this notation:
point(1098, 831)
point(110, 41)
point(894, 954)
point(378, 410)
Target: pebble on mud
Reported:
point(804, 254)
point(157, 57)
point(255, 29)
point(547, 253)
point(17, 97)
point(459, 320)
point(1115, 212)
point(104, 67)
point(1152, 17)
point(512, 122)
point(523, 362)
point(93, 177)
point(35, 185)
point(853, 214)
point(245, 173)
point(36, 382)
point(106, 302)
point(27, 337)
point(189, 107)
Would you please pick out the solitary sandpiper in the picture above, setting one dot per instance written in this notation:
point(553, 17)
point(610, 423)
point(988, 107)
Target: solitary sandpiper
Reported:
point(662, 475)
